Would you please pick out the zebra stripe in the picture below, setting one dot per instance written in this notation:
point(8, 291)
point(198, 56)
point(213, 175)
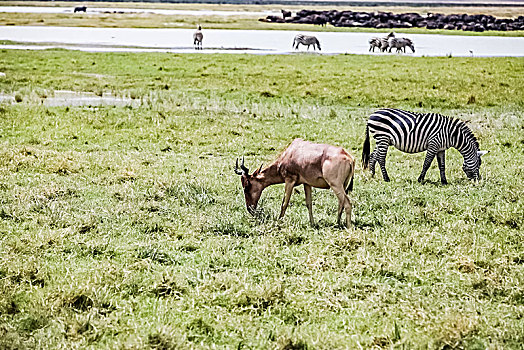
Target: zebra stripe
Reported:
point(381, 43)
point(305, 40)
point(417, 132)
point(400, 44)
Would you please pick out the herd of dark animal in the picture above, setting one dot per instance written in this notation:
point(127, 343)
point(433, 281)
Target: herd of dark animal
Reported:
point(325, 166)
point(477, 23)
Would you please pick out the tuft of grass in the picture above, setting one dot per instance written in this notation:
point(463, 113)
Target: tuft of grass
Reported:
point(156, 255)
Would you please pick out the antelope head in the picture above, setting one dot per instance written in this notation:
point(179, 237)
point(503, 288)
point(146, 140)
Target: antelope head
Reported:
point(252, 185)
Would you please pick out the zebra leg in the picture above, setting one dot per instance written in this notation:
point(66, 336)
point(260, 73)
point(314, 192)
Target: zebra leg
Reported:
point(430, 154)
point(372, 162)
point(441, 160)
point(380, 154)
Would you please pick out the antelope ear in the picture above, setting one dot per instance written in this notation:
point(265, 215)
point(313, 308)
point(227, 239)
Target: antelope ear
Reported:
point(481, 153)
point(257, 171)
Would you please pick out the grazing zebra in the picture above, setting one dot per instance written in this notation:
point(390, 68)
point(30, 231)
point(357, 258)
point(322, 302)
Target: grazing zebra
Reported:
point(418, 132)
point(305, 40)
point(197, 38)
point(381, 43)
point(400, 44)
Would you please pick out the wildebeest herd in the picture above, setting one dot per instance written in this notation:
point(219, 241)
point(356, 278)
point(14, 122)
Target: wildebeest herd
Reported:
point(477, 23)
point(325, 166)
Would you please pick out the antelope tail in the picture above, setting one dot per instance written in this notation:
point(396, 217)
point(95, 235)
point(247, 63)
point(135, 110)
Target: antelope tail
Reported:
point(350, 186)
point(365, 150)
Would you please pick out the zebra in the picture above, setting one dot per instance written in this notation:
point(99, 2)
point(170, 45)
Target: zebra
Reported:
point(197, 38)
point(381, 43)
point(417, 132)
point(400, 44)
point(374, 42)
point(305, 40)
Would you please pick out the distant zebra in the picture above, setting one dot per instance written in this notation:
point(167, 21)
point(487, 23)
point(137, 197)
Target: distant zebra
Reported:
point(417, 132)
point(197, 38)
point(306, 40)
point(381, 43)
point(400, 44)
point(374, 42)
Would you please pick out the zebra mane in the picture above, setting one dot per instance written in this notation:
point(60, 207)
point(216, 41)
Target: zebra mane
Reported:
point(461, 127)
point(466, 131)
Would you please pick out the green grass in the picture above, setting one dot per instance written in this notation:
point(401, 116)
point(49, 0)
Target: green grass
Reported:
point(126, 227)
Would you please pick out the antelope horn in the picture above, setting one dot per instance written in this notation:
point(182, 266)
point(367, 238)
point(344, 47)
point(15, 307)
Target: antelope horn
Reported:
point(243, 167)
point(242, 170)
point(237, 170)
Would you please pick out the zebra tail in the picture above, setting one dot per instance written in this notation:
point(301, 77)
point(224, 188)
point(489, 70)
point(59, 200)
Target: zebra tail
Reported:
point(365, 150)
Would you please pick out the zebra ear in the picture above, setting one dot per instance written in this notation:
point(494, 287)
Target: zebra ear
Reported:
point(481, 153)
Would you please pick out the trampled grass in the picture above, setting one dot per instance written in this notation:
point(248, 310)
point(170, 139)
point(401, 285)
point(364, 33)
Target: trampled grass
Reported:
point(126, 227)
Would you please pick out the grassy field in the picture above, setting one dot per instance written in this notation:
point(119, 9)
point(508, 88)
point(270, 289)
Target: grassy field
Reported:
point(151, 20)
point(125, 227)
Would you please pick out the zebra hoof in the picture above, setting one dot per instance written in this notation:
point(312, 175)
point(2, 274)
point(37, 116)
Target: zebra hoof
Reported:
point(387, 179)
point(420, 179)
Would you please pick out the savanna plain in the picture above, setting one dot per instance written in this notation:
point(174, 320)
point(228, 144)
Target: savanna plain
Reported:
point(125, 227)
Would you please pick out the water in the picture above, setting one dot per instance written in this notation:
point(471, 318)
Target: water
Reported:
point(101, 10)
point(76, 99)
point(245, 41)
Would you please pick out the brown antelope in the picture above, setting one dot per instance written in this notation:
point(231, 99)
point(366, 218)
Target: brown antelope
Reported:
point(303, 163)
